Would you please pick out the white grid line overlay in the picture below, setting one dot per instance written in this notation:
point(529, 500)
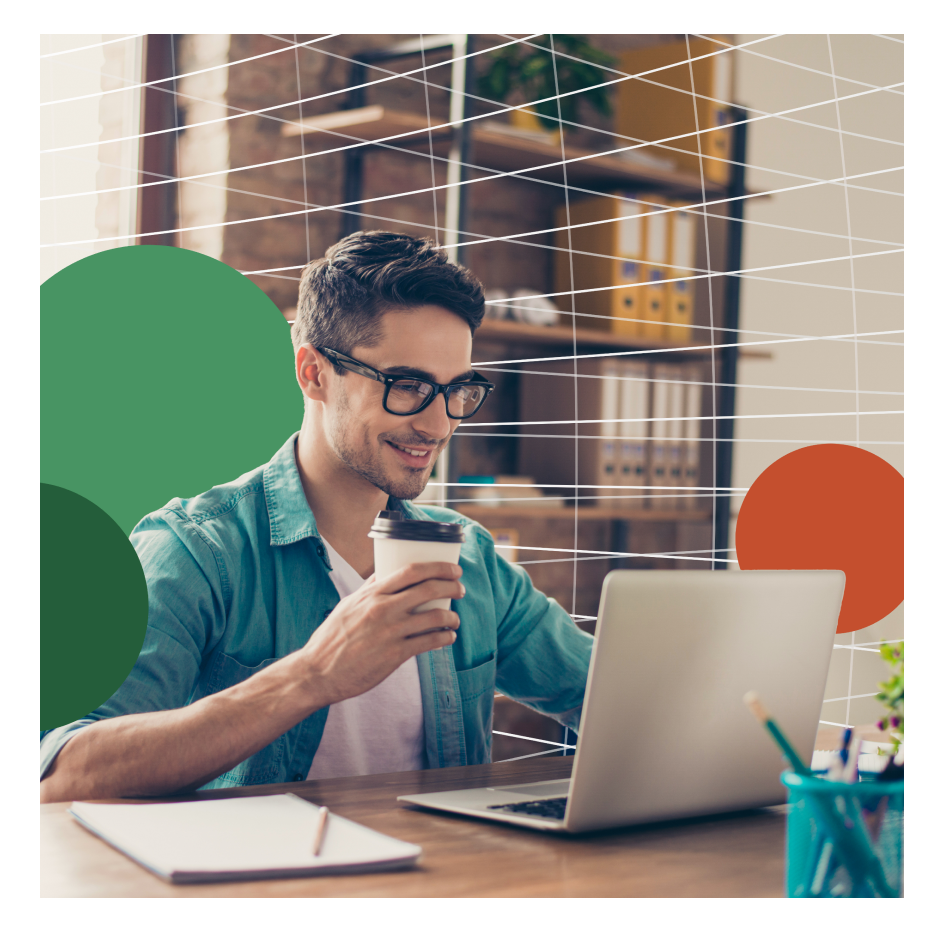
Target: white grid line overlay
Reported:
point(708, 208)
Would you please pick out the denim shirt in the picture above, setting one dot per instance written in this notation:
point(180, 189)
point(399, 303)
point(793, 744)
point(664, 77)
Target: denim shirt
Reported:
point(238, 577)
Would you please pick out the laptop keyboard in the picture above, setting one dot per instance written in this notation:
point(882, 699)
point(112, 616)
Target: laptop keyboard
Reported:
point(545, 808)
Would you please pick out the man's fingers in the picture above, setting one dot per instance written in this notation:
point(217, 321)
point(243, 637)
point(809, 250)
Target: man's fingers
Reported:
point(423, 623)
point(417, 573)
point(430, 642)
point(410, 599)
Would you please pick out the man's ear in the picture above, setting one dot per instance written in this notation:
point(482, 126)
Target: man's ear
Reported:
point(310, 367)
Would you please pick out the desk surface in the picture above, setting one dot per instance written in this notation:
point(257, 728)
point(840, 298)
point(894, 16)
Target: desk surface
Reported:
point(736, 855)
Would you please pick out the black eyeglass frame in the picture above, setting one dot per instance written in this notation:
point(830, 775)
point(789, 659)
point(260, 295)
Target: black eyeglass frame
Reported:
point(389, 380)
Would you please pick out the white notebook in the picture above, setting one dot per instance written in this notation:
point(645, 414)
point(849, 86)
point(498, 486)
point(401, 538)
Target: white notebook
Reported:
point(240, 839)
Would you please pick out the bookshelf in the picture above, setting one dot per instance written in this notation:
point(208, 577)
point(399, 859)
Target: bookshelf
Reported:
point(477, 144)
point(493, 514)
point(498, 147)
point(522, 333)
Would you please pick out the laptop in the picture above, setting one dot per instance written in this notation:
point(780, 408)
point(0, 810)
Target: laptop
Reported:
point(664, 730)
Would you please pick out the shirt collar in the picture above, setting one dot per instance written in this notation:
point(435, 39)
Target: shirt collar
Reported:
point(288, 510)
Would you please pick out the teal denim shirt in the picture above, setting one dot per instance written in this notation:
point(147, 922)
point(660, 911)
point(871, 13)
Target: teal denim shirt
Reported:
point(238, 577)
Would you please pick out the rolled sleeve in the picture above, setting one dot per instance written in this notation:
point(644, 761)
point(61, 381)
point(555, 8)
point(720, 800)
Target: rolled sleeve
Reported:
point(186, 617)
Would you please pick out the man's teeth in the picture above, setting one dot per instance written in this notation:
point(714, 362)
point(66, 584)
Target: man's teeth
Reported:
point(416, 454)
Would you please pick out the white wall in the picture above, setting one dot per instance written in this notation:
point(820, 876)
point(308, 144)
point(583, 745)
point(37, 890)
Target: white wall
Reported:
point(90, 145)
point(803, 151)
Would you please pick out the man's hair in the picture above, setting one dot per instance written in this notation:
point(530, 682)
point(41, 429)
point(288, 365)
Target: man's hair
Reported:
point(344, 295)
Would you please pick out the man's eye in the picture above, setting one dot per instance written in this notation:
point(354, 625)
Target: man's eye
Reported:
point(411, 386)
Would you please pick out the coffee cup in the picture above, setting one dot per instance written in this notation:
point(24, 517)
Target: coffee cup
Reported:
point(399, 542)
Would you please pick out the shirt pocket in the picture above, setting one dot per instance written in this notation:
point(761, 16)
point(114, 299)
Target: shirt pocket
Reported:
point(264, 767)
point(477, 687)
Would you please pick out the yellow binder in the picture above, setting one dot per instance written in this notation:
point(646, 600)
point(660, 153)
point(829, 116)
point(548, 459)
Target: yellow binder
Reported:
point(607, 244)
point(680, 297)
point(656, 256)
point(664, 111)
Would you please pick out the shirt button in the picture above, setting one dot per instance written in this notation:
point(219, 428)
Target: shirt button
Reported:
point(320, 550)
point(298, 777)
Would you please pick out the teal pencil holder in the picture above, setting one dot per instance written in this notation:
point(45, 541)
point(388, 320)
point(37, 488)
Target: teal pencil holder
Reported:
point(844, 839)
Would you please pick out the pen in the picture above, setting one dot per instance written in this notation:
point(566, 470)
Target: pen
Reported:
point(321, 830)
point(846, 738)
point(850, 774)
point(763, 716)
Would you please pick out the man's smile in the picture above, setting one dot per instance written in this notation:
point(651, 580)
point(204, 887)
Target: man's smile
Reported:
point(410, 454)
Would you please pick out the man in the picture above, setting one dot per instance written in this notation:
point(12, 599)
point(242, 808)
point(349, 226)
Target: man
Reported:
point(272, 653)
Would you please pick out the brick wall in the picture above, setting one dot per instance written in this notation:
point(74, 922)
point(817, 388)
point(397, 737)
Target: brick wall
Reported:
point(498, 207)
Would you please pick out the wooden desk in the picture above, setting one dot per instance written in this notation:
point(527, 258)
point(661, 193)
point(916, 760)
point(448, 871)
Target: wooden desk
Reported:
point(735, 855)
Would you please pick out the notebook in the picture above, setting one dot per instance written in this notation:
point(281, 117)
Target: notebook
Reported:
point(255, 837)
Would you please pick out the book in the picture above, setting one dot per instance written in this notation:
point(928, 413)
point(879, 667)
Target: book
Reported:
point(501, 490)
point(255, 837)
point(507, 543)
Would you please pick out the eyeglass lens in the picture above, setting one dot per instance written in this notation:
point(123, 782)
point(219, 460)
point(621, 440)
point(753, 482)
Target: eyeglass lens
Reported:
point(406, 396)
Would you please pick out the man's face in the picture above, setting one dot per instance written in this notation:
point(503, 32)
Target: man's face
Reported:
point(396, 453)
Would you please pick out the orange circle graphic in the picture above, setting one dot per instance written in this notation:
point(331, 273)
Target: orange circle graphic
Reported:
point(833, 507)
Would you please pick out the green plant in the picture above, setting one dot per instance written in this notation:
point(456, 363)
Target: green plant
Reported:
point(532, 71)
point(892, 691)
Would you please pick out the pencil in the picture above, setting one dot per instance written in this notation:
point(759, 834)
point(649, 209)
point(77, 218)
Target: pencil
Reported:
point(763, 716)
point(321, 830)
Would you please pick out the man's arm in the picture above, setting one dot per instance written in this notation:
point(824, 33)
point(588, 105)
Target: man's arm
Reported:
point(543, 657)
point(367, 637)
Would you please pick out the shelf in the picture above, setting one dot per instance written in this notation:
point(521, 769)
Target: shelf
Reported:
point(504, 330)
point(502, 150)
point(586, 513)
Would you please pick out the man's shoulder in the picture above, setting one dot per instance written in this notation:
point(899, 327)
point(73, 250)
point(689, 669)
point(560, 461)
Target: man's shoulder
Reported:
point(223, 502)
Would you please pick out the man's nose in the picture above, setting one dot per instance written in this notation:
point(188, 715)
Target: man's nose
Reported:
point(433, 421)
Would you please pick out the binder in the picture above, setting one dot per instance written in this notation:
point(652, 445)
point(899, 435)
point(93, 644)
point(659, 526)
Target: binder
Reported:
point(606, 279)
point(675, 429)
point(546, 450)
point(680, 299)
point(634, 431)
point(656, 254)
point(665, 109)
point(692, 446)
point(659, 438)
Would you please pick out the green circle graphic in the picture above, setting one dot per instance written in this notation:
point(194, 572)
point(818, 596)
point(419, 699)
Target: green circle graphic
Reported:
point(164, 372)
point(93, 606)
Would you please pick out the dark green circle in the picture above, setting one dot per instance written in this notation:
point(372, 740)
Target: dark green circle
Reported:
point(164, 373)
point(93, 606)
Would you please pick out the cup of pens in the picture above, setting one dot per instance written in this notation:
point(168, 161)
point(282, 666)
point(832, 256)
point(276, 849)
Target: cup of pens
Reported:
point(844, 839)
point(845, 836)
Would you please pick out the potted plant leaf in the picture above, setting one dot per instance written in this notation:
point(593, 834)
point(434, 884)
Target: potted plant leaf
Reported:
point(530, 69)
point(892, 692)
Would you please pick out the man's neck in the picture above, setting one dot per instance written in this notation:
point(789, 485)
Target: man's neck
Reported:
point(343, 503)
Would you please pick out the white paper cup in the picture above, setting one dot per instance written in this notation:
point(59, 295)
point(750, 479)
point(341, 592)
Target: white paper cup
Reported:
point(397, 544)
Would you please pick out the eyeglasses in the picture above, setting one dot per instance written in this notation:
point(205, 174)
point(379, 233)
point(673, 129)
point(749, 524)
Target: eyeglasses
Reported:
point(406, 394)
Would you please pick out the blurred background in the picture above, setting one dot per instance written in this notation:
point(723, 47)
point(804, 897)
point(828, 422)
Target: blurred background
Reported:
point(718, 218)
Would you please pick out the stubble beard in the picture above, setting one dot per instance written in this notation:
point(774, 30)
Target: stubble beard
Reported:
point(367, 462)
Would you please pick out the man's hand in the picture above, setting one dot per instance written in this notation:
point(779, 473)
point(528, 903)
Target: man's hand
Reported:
point(374, 631)
point(366, 637)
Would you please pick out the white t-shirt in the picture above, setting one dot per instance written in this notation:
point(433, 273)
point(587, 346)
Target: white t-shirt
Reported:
point(380, 731)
